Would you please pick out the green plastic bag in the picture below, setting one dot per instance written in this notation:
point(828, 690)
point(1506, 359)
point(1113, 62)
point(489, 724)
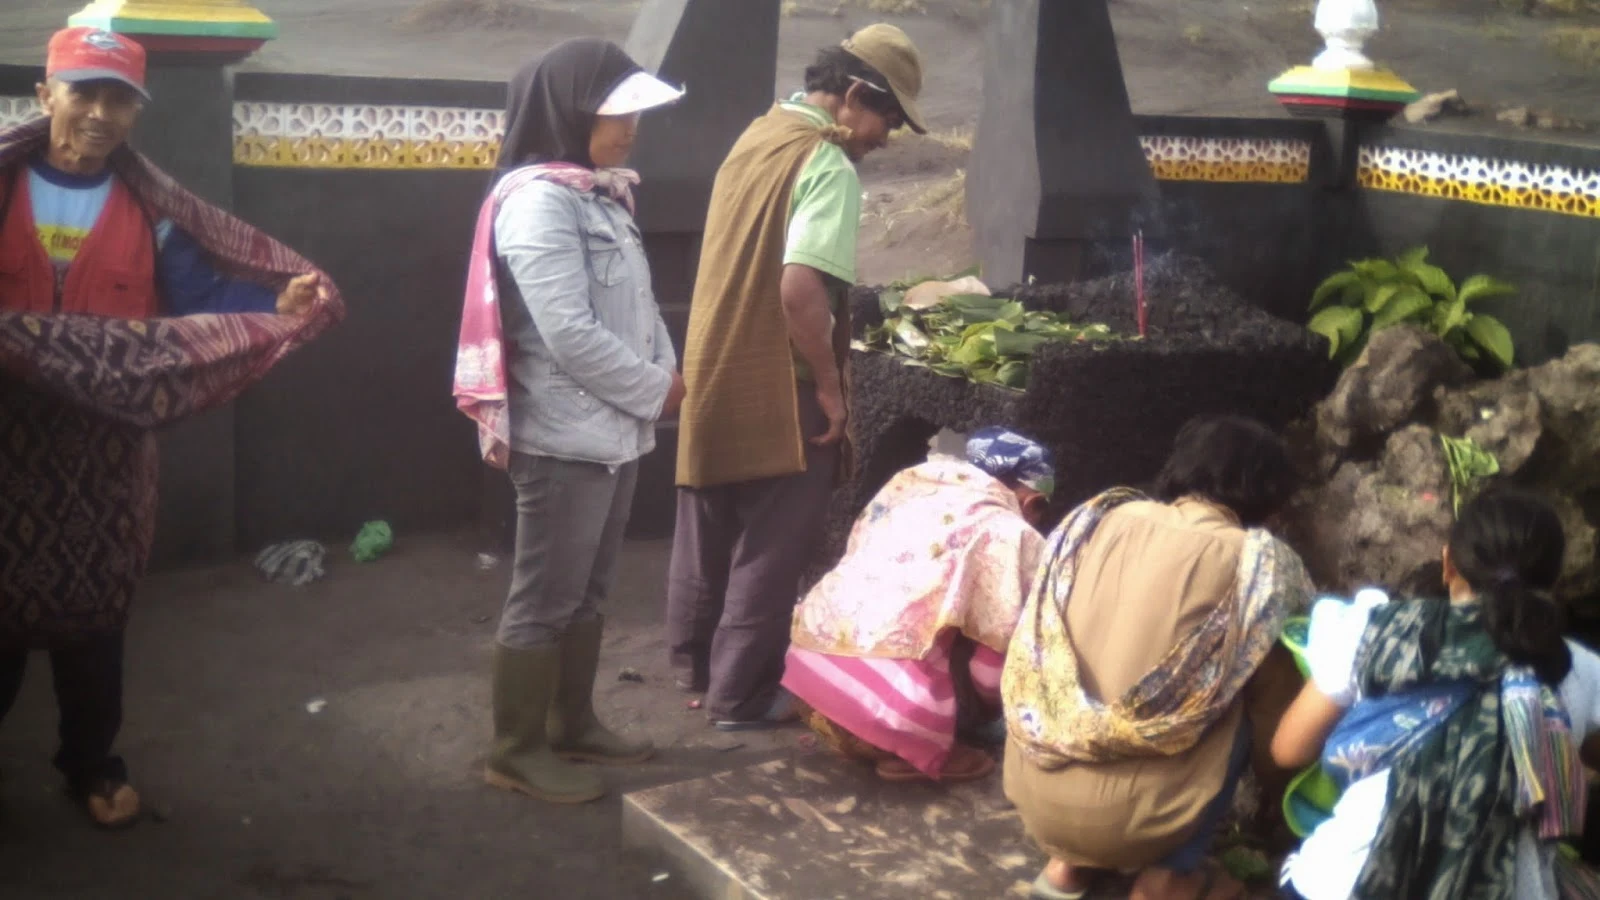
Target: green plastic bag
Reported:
point(1310, 797)
point(375, 539)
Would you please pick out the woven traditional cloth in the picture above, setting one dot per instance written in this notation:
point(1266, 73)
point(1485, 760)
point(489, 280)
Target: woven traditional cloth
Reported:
point(80, 395)
point(1500, 763)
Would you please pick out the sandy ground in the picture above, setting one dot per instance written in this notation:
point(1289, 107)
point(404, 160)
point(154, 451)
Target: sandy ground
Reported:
point(376, 795)
point(1187, 57)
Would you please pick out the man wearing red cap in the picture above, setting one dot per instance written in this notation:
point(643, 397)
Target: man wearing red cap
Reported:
point(100, 253)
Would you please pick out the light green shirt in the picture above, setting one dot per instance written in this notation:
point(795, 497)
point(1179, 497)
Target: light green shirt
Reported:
point(824, 215)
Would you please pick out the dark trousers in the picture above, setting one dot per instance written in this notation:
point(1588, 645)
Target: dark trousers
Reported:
point(738, 553)
point(88, 682)
point(570, 520)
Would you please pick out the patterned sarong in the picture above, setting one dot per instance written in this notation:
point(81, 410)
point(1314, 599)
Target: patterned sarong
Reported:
point(1467, 780)
point(80, 395)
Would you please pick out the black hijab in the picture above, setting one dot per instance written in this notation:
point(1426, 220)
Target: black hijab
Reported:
point(551, 103)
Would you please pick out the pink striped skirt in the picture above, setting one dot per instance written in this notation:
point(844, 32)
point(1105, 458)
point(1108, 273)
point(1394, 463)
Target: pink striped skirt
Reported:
point(906, 707)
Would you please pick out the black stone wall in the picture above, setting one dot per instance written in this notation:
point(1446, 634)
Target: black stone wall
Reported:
point(361, 424)
point(1262, 240)
point(1553, 258)
point(1108, 411)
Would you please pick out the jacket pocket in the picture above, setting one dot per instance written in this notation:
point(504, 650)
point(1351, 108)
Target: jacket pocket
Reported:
point(604, 250)
point(568, 404)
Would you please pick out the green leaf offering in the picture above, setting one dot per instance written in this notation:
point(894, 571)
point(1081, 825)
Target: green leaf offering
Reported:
point(984, 339)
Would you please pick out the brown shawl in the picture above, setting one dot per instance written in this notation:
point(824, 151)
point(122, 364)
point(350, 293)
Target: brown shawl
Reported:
point(79, 396)
point(739, 420)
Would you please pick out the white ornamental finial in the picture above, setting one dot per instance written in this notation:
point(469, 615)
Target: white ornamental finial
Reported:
point(1345, 26)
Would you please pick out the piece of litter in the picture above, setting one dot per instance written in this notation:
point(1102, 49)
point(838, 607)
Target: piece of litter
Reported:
point(487, 561)
point(479, 620)
point(694, 704)
point(630, 674)
point(374, 540)
point(316, 706)
point(661, 876)
point(725, 746)
point(245, 821)
point(295, 563)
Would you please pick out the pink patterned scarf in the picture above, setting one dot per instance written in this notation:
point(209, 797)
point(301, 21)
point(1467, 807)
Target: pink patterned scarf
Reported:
point(480, 383)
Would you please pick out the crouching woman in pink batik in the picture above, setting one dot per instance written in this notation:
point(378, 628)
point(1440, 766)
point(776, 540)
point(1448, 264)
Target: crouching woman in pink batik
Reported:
point(907, 636)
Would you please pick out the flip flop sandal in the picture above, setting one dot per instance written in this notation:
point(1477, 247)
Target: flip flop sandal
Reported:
point(979, 766)
point(898, 770)
point(112, 804)
point(1042, 889)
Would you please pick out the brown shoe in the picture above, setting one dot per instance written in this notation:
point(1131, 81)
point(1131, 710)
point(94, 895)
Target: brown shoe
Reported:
point(964, 764)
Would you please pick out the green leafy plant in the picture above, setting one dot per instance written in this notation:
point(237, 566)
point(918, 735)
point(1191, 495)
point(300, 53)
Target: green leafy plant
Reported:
point(989, 340)
point(1469, 465)
point(1376, 293)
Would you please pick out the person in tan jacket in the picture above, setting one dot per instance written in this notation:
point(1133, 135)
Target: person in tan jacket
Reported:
point(1127, 682)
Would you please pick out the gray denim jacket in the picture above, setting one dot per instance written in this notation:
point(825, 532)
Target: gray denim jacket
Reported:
point(588, 359)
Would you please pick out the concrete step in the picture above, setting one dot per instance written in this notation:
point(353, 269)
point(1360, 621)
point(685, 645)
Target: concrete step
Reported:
point(814, 826)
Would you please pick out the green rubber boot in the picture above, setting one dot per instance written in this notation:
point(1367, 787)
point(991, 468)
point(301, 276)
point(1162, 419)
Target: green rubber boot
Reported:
point(521, 758)
point(575, 731)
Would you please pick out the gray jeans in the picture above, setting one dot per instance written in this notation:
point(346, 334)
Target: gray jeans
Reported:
point(570, 520)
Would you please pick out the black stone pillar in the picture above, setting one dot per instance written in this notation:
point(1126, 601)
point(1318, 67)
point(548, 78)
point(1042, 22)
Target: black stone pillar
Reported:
point(187, 130)
point(725, 52)
point(1057, 170)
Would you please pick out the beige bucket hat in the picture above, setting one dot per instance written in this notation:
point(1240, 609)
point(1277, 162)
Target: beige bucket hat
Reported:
point(890, 51)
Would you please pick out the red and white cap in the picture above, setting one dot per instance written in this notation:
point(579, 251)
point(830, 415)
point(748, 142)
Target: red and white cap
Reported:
point(93, 54)
point(637, 93)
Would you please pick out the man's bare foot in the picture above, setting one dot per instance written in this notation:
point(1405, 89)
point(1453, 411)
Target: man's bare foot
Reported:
point(1209, 882)
point(113, 806)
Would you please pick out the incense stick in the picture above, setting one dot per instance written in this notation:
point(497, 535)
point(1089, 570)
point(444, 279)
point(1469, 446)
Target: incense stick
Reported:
point(1138, 283)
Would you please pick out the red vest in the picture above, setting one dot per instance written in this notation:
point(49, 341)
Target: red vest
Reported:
point(114, 273)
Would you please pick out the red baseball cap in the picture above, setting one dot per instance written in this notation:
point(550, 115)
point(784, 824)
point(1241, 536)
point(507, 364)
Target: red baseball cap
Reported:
point(93, 54)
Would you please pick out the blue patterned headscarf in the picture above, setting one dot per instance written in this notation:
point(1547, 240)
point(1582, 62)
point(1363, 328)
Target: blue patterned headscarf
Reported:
point(1007, 455)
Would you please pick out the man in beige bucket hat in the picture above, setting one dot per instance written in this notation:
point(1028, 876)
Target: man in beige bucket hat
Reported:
point(761, 435)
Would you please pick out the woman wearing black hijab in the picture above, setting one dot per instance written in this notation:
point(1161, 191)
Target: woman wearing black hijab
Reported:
point(559, 291)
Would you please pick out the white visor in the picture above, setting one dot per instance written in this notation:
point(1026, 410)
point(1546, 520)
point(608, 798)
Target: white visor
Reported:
point(637, 93)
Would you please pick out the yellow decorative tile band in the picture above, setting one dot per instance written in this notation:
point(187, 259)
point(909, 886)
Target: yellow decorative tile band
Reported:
point(175, 10)
point(334, 136)
point(337, 136)
point(1475, 179)
point(1258, 160)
